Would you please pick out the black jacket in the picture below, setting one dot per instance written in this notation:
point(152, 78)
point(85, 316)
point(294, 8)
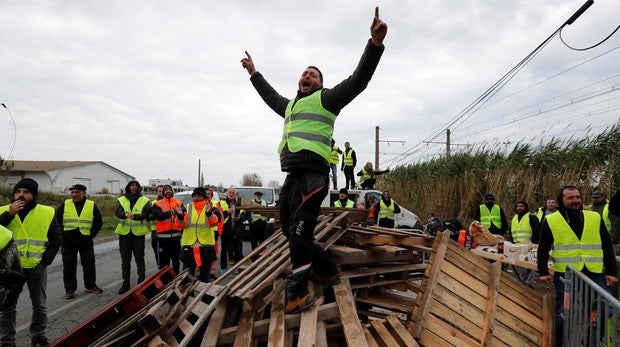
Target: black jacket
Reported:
point(333, 100)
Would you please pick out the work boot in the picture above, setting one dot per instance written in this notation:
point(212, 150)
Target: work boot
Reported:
point(299, 304)
point(124, 288)
point(94, 289)
point(70, 294)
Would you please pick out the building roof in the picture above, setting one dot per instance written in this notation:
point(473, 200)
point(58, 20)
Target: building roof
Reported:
point(49, 165)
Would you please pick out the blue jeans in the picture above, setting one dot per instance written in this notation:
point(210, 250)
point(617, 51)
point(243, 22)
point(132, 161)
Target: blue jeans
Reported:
point(334, 168)
point(36, 280)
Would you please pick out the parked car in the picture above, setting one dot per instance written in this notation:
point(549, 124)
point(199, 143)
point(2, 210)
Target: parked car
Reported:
point(186, 197)
point(403, 220)
point(269, 195)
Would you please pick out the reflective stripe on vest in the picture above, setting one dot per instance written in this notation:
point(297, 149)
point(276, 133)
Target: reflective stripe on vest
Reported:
point(386, 211)
point(5, 237)
point(137, 227)
point(198, 230)
point(521, 230)
point(568, 249)
point(308, 126)
point(335, 156)
point(349, 204)
point(31, 234)
point(151, 223)
point(493, 216)
point(172, 222)
point(71, 220)
point(348, 157)
point(365, 175)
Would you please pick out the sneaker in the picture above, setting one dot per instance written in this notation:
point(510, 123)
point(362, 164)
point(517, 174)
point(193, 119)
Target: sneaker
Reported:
point(124, 288)
point(40, 342)
point(95, 290)
point(332, 280)
point(70, 294)
point(299, 304)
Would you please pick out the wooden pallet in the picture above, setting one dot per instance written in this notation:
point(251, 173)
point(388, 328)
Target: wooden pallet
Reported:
point(467, 301)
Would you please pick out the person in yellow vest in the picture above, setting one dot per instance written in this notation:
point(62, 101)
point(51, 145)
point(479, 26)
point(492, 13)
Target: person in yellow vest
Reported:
point(305, 154)
point(133, 209)
point(38, 238)
point(601, 206)
point(80, 220)
point(491, 215)
point(257, 222)
point(198, 239)
point(333, 163)
point(578, 238)
point(343, 199)
point(170, 220)
point(159, 191)
point(385, 211)
point(11, 278)
point(524, 226)
point(349, 161)
point(551, 205)
point(367, 173)
point(232, 229)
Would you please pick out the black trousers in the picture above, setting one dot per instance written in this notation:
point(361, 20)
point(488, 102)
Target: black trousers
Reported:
point(300, 203)
point(207, 255)
point(349, 177)
point(169, 252)
point(257, 232)
point(69, 265)
point(129, 245)
point(231, 244)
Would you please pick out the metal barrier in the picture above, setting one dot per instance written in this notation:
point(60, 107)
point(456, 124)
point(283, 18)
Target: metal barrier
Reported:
point(591, 314)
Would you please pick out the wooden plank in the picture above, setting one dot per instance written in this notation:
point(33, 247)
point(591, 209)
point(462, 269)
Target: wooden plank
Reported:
point(351, 325)
point(548, 335)
point(447, 333)
point(244, 331)
point(215, 324)
point(321, 334)
point(424, 299)
point(489, 322)
point(308, 325)
point(383, 334)
point(277, 328)
point(370, 338)
point(404, 337)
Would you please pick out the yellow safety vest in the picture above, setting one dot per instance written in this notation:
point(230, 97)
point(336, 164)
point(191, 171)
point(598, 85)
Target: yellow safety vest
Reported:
point(348, 157)
point(521, 230)
point(335, 156)
point(198, 230)
point(386, 211)
point(349, 204)
point(493, 216)
point(308, 126)
point(138, 227)
point(84, 222)
point(605, 216)
point(5, 237)
point(568, 249)
point(31, 234)
point(152, 222)
point(365, 175)
point(256, 216)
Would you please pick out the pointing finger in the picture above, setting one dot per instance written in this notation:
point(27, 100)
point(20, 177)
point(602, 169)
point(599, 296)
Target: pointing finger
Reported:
point(248, 55)
point(377, 12)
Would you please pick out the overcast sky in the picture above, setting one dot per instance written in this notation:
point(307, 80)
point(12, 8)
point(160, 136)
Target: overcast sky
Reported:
point(151, 87)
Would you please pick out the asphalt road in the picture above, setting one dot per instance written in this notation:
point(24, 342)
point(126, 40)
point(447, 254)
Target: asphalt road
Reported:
point(65, 314)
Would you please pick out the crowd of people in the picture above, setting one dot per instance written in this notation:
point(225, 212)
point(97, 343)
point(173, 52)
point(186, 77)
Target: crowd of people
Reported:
point(32, 233)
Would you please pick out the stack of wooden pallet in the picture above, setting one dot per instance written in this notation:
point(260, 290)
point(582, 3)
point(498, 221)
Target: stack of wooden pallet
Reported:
point(388, 296)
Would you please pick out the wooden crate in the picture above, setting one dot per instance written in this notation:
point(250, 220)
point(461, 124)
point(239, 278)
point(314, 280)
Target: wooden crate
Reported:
point(465, 300)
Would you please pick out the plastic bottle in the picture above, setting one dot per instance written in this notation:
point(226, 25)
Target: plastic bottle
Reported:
point(462, 237)
point(468, 240)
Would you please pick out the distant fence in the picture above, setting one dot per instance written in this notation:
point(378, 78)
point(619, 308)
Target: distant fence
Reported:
point(591, 313)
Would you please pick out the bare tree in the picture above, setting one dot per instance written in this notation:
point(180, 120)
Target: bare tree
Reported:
point(251, 179)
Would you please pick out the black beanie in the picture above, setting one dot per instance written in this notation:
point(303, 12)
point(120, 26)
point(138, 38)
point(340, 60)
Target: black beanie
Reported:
point(29, 184)
point(200, 191)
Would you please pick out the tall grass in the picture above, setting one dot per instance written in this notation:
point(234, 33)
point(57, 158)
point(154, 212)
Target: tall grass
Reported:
point(453, 187)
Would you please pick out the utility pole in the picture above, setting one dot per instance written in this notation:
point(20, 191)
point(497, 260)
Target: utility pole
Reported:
point(448, 143)
point(199, 183)
point(377, 146)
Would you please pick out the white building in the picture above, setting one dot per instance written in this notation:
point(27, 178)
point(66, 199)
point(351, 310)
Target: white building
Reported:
point(58, 176)
point(177, 185)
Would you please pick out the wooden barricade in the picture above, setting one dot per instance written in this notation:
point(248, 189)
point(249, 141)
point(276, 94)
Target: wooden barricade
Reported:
point(466, 301)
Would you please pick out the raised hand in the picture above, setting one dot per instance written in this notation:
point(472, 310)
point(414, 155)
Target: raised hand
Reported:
point(248, 64)
point(378, 29)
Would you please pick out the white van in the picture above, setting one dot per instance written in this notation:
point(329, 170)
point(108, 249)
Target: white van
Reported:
point(403, 220)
